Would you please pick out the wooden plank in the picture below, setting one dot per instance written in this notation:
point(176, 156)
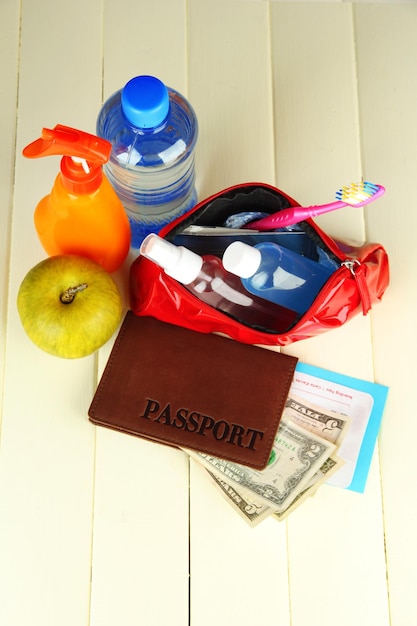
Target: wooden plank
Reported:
point(317, 148)
point(230, 88)
point(147, 39)
point(47, 451)
point(387, 52)
point(140, 569)
point(9, 52)
point(140, 550)
point(238, 574)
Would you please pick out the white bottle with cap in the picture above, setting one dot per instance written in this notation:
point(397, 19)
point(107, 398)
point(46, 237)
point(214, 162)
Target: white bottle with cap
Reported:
point(275, 273)
point(207, 279)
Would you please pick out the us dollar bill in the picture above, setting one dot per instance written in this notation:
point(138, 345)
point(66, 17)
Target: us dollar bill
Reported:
point(327, 424)
point(329, 467)
point(330, 425)
point(254, 511)
point(251, 510)
point(296, 456)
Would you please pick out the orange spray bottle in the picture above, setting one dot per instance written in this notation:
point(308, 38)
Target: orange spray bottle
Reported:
point(82, 214)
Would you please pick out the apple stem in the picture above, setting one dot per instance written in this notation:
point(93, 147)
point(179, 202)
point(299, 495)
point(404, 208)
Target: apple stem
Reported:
point(68, 296)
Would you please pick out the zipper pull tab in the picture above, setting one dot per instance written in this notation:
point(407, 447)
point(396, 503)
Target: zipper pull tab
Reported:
point(358, 271)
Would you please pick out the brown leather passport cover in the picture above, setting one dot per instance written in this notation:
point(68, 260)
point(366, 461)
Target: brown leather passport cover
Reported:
point(193, 390)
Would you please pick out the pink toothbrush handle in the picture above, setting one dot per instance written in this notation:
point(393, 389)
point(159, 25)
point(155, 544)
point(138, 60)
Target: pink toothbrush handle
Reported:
point(293, 215)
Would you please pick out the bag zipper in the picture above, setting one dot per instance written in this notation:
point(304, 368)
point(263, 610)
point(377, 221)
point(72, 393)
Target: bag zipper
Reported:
point(358, 271)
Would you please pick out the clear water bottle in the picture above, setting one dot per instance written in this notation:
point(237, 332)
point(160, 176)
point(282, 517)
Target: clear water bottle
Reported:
point(207, 279)
point(153, 131)
point(278, 274)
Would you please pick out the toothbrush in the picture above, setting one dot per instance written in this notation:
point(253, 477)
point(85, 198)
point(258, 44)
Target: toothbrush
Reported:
point(356, 195)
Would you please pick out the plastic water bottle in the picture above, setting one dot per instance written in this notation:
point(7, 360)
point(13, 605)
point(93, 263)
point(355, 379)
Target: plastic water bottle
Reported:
point(278, 274)
point(207, 279)
point(153, 131)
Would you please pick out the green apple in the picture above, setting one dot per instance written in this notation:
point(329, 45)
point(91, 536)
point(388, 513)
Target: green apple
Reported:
point(69, 306)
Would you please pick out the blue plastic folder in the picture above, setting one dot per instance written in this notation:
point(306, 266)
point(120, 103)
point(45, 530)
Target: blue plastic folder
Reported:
point(362, 401)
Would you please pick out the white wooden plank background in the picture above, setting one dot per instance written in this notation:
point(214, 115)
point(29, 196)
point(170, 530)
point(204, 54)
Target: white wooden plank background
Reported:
point(97, 528)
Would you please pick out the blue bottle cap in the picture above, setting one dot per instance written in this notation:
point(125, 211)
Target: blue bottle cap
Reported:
point(145, 101)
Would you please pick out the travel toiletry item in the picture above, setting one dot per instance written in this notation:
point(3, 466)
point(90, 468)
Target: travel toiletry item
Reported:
point(153, 131)
point(82, 215)
point(359, 282)
point(275, 273)
point(186, 389)
point(215, 240)
point(355, 195)
point(208, 280)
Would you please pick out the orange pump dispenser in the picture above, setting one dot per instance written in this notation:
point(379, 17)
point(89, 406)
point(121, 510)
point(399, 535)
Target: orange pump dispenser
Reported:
point(82, 214)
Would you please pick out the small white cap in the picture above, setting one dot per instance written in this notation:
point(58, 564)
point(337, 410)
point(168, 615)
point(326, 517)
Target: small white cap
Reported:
point(241, 259)
point(177, 261)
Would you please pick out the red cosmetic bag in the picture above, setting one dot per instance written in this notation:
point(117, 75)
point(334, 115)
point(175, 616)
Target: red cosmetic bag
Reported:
point(360, 280)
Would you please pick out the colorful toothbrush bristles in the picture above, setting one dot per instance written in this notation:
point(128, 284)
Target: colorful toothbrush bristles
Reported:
point(358, 193)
